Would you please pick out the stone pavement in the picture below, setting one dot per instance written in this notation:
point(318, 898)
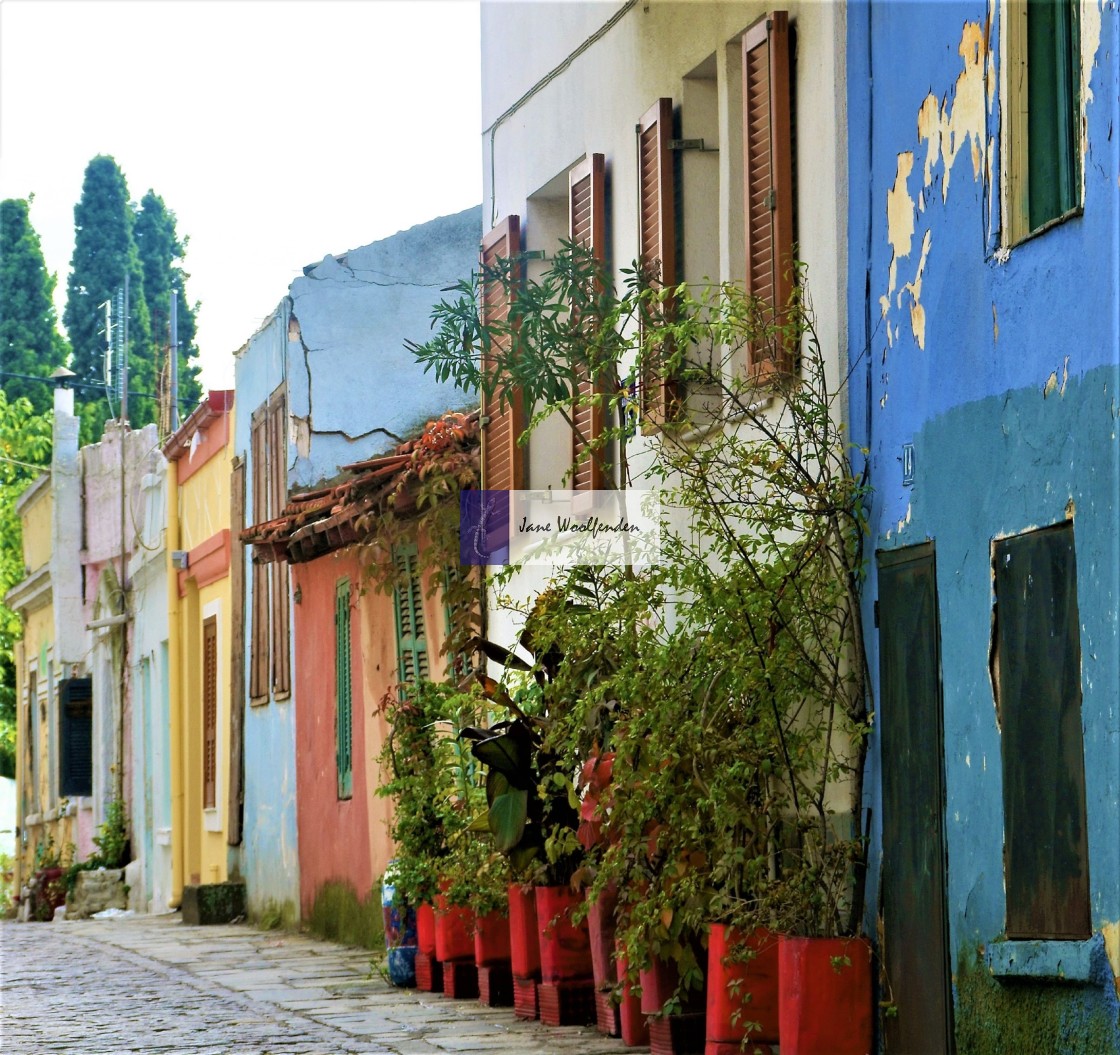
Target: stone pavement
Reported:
point(149, 985)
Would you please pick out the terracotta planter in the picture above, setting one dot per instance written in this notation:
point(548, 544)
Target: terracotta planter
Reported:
point(565, 947)
point(491, 939)
point(635, 1025)
point(824, 996)
point(741, 993)
point(426, 929)
point(524, 936)
point(454, 931)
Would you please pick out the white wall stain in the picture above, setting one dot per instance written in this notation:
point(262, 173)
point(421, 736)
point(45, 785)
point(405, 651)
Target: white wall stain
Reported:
point(917, 311)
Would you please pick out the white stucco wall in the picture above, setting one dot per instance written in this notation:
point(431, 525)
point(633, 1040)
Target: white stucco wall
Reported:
point(690, 52)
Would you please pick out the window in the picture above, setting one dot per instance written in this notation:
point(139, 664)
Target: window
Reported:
point(1037, 677)
point(76, 742)
point(657, 237)
point(344, 710)
point(1041, 114)
point(768, 179)
point(587, 217)
point(408, 602)
point(502, 465)
point(209, 713)
point(270, 666)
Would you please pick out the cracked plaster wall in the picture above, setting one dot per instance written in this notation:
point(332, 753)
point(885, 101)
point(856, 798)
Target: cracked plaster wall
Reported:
point(355, 390)
point(1001, 367)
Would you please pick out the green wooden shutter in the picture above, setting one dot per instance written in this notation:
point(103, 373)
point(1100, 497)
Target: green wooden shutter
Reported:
point(344, 712)
point(412, 646)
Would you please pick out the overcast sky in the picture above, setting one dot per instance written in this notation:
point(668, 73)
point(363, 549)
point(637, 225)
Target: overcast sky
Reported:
point(277, 130)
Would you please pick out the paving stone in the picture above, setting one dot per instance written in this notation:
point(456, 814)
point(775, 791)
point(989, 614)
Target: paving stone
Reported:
point(148, 985)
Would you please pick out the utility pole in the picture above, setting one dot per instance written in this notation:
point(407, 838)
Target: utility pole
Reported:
point(174, 361)
point(124, 357)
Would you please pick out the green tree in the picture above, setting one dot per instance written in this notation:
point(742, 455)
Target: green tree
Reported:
point(160, 247)
point(104, 253)
point(29, 339)
point(25, 446)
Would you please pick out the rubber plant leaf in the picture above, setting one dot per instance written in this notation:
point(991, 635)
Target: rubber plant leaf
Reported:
point(508, 813)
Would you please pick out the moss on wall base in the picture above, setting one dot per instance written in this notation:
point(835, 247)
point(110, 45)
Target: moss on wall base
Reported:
point(1028, 1017)
point(274, 915)
point(338, 914)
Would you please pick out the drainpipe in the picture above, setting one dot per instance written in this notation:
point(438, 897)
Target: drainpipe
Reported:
point(174, 682)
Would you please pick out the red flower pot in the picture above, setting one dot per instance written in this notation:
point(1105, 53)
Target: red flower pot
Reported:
point(659, 982)
point(595, 778)
point(601, 927)
point(426, 929)
point(491, 939)
point(741, 992)
point(565, 947)
point(454, 931)
point(824, 996)
point(524, 937)
point(635, 1025)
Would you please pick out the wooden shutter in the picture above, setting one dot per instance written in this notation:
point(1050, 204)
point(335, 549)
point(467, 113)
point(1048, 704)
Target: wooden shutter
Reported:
point(657, 243)
point(408, 596)
point(587, 228)
point(768, 178)
point(237, 656)
point(259, 659)
point(209, 712)
point(344, 710)
point(278, 497)
point(76, 742)
point(503, 457)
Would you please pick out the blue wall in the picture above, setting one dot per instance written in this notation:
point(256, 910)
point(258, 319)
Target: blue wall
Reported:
point(1002, 370)
point(268, 858)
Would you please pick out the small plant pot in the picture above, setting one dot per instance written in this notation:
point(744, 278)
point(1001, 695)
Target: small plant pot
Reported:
point(659, 983)
point(524, 935)
point(454, 931)
point(492, 940)
point(426, 930)
point(824, 996)
point(741, 992)
point(565, 947)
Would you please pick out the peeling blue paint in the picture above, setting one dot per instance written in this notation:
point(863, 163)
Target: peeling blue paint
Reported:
point(1011, 407)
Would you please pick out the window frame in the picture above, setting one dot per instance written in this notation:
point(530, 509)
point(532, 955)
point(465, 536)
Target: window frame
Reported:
point(343, 689)
point(1015, 118)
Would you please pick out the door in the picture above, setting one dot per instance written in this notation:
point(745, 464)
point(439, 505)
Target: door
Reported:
point(915, 923)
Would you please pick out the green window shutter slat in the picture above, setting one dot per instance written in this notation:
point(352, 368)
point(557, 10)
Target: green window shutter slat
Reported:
point(408, 595)
point(344, 713)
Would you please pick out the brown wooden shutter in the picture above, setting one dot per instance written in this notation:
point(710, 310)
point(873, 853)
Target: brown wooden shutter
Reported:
point(768, 177)
point(209, 712)
point(281, 610)
point(237, 657)
point(503, 457)
point(657, 242)
point(259, 660)
point(587, 227)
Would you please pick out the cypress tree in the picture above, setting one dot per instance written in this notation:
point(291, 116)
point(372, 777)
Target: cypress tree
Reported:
point(159, 248)
point(104, 252)
point(29, 339)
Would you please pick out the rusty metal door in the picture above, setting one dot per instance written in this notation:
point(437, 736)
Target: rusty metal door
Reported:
point(915, 922)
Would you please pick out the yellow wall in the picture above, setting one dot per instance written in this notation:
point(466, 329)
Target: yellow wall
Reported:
point(204, 500)
point(200, 509)
point(36, 519)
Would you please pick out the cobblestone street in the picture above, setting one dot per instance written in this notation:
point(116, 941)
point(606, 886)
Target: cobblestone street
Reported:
point(151, 986)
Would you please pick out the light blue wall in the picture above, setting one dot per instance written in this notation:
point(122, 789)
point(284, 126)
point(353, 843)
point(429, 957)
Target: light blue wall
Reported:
point(1012, 406)
point(356, 392)
point(268, 858)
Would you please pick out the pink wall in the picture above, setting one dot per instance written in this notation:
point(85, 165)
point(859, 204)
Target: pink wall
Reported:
point(334, 834)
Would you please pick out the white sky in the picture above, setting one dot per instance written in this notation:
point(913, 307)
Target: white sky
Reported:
point(277, 130)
